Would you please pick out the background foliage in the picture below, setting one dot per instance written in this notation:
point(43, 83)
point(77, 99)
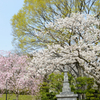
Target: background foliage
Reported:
point(35, 15)
point(83, 86)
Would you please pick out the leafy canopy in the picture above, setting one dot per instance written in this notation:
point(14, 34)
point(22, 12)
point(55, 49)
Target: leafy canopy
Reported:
point(36, 14)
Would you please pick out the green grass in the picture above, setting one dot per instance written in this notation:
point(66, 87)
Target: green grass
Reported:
point(13, 96)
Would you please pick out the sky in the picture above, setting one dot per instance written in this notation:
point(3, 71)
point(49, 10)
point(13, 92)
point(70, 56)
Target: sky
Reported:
point(7, 9)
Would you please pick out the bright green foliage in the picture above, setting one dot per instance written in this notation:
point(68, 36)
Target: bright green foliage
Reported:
point(55, 81)
point(35, 14)
point(52, 87)
point(72, 82)
point(45, 94)
point(84, 85)
point(81, 85)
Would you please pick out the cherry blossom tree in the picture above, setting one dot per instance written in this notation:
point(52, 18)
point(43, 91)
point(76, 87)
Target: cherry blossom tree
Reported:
point(80, 51)
point(16, 73)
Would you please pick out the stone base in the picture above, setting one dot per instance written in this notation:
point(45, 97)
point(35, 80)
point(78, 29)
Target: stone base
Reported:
point(67, 97)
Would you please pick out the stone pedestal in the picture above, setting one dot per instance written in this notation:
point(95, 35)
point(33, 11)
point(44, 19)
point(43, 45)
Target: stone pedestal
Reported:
point(66, 93)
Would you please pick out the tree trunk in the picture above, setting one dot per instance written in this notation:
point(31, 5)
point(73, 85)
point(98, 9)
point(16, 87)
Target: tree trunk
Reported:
point(99, 87)
point(17, 95)
point(80, 74)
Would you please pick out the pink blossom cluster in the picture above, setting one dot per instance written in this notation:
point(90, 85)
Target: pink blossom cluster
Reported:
point(16, 73)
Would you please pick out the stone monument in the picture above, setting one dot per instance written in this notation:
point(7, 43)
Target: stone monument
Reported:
point(66, 93)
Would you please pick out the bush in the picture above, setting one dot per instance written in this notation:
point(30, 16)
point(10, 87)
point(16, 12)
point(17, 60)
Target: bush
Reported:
point(52, 87)
point(83, 86)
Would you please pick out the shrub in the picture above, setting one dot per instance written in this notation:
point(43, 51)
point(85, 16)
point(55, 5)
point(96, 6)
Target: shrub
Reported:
point(83, 86)
point(52, 87)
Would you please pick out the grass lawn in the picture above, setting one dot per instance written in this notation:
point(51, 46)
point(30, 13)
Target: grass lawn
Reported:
point(13, 97)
